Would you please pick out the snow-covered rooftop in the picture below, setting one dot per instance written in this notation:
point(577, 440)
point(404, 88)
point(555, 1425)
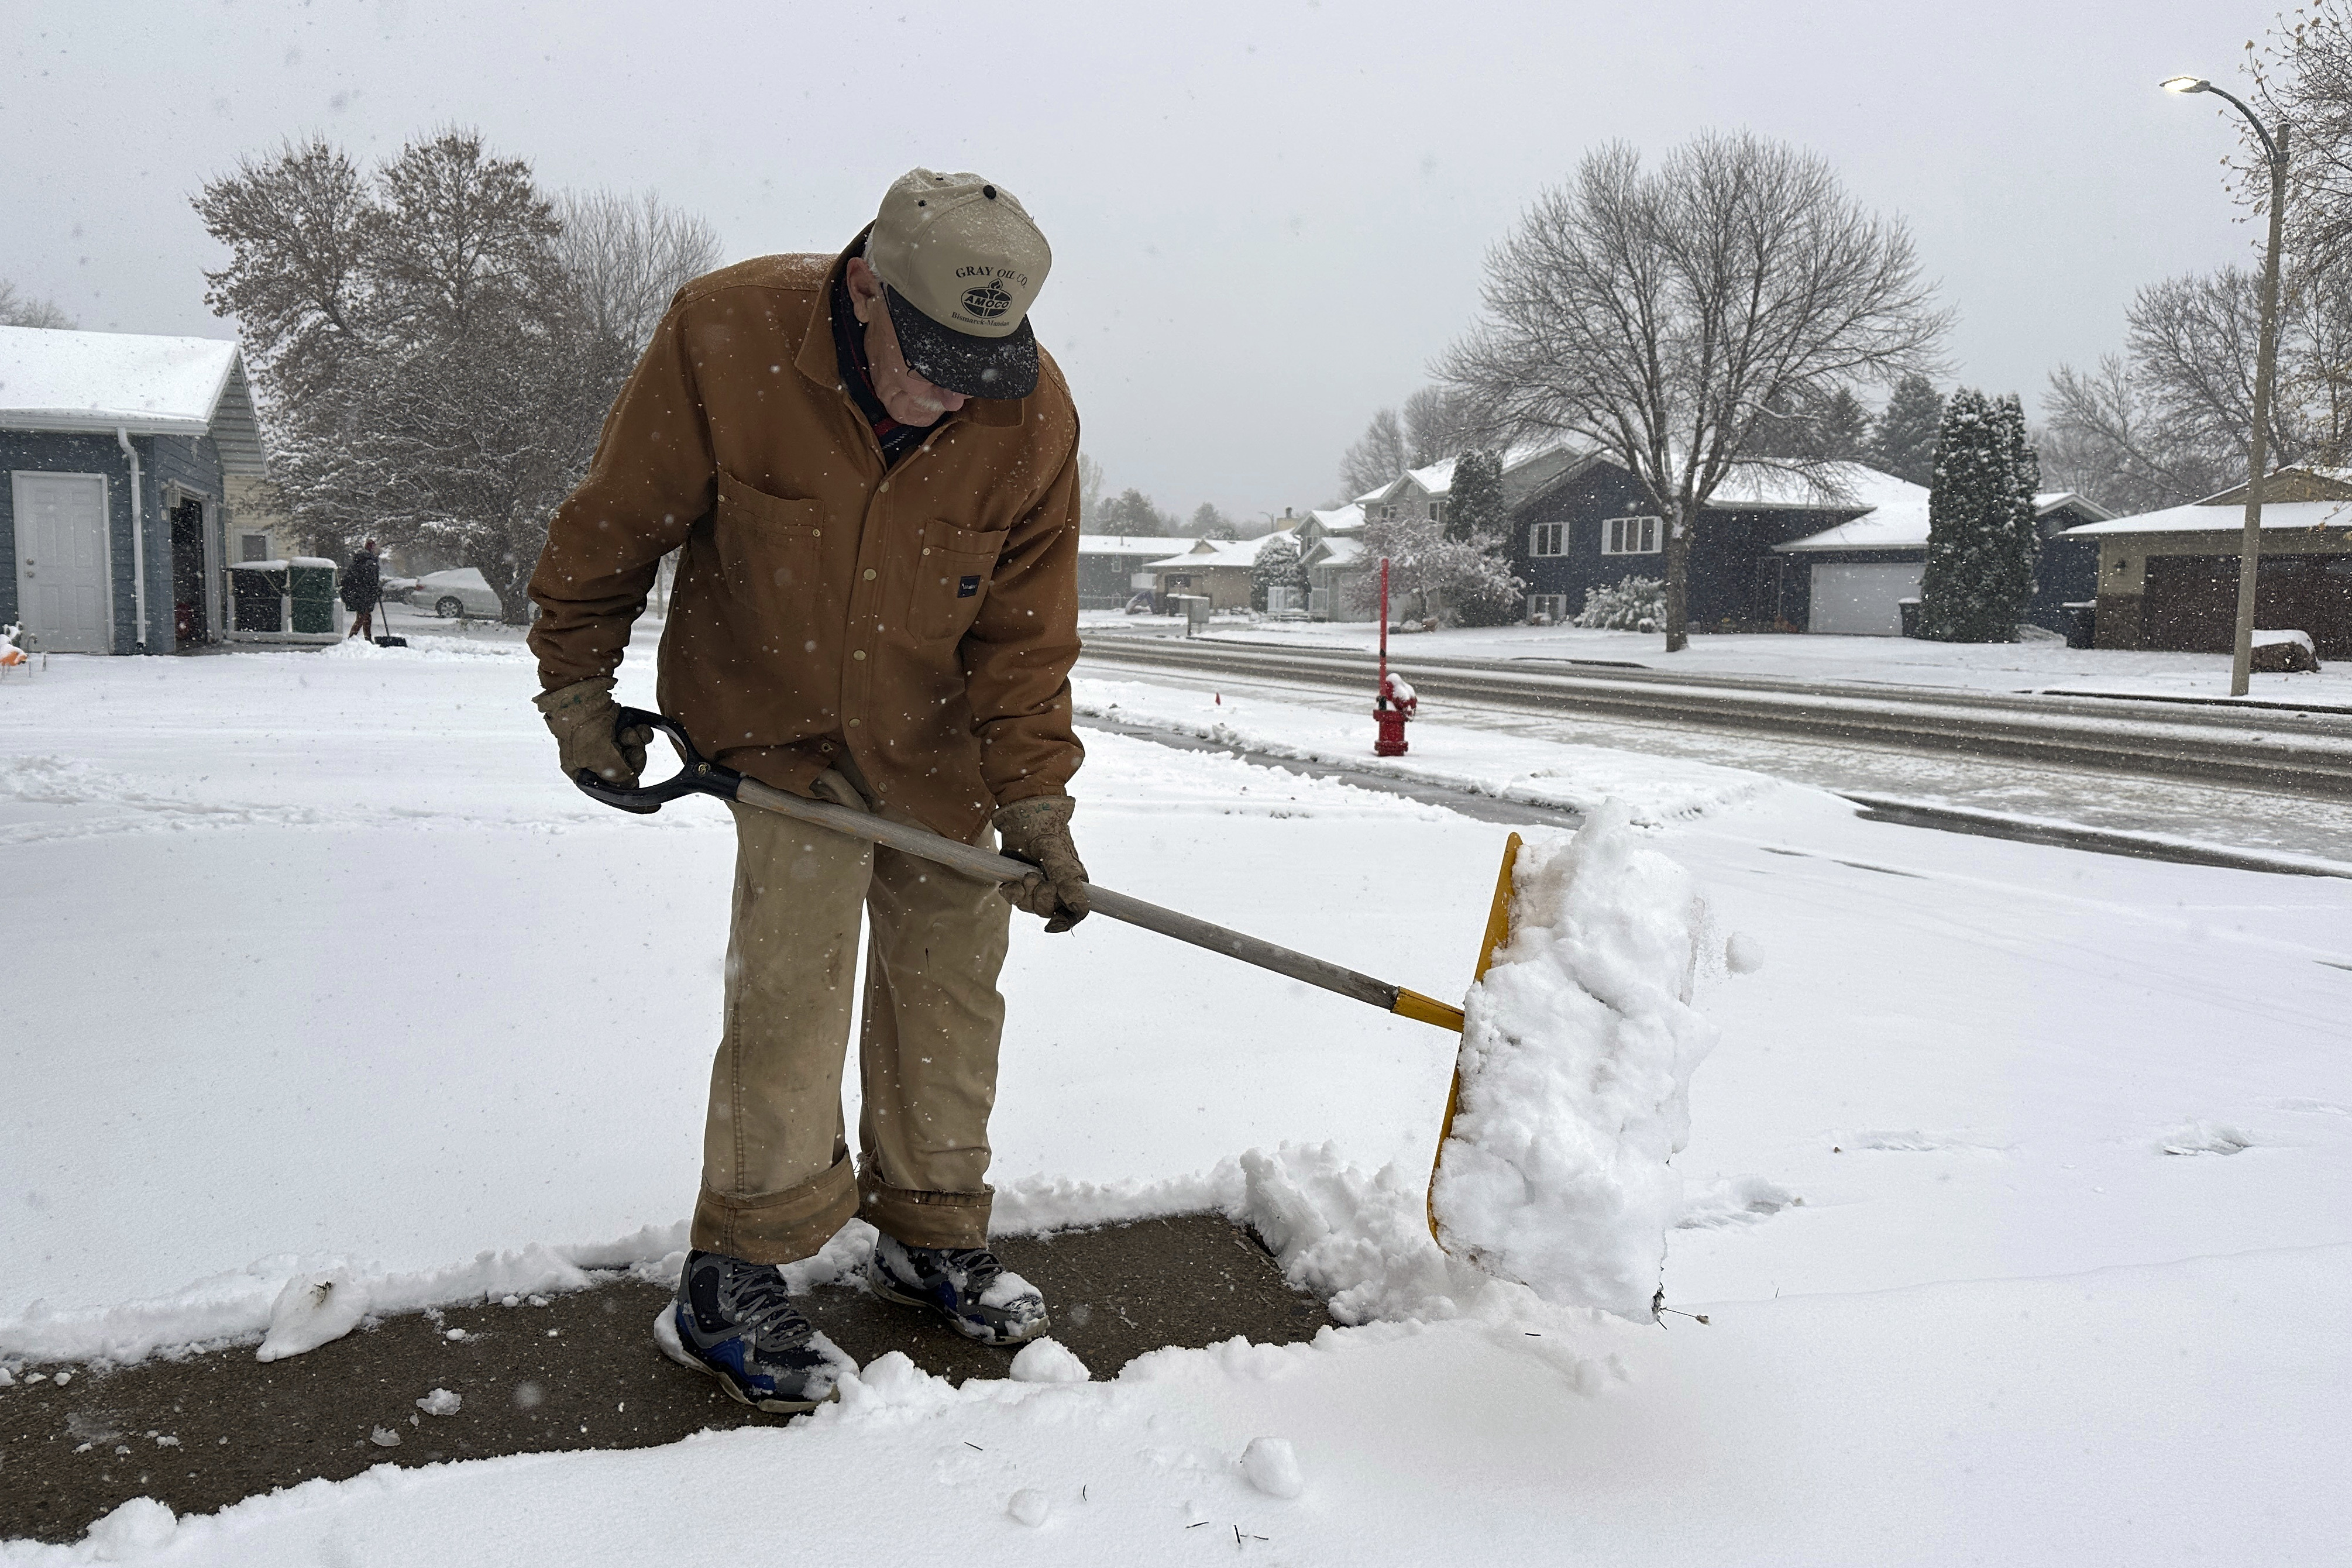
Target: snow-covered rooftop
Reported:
point(2047, 501)
point(1340, 519)
point(1759, 487)
point(53, 380)
point(2230, 516)
point(1334, 550)
point(1133, 544)
point(1228, 552)
point(1437, 479)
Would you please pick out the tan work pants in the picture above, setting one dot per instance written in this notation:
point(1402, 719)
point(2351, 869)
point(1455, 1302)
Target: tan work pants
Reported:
point(776, 1177)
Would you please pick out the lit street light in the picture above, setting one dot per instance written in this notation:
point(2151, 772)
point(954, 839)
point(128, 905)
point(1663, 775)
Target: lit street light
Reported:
point(2265, 373)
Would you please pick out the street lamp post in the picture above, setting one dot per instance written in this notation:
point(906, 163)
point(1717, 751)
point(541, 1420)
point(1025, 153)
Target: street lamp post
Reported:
point(2265, 372)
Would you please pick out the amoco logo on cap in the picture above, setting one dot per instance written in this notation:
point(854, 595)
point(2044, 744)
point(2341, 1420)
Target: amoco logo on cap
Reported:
point(988, 301)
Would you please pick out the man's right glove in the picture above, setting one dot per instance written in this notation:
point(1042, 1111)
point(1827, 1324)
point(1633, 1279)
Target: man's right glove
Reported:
point(581, 717)
point(1039, 830)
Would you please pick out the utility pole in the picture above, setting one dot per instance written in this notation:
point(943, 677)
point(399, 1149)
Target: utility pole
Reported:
point(2249, 550)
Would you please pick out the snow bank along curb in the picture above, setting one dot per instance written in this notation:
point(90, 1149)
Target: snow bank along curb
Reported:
point(1679, 790)
point(1575, 1071)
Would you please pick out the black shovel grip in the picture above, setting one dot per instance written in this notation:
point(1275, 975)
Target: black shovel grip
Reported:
point(696, 776)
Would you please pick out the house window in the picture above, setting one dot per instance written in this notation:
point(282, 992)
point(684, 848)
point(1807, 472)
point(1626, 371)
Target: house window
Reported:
point(1437, 512)
point(1388, 514)
point(1630, 536)
point(1548, 609)
point(253, 547)
point(1547, 539)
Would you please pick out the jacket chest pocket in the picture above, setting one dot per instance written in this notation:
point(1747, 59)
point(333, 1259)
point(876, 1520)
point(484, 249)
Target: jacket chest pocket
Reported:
point(951, 576)
point(770, 551)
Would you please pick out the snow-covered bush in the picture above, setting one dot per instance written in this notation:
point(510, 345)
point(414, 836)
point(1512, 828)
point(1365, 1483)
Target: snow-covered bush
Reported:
point(1633, 605)
point(1428, 570)
point(1276, 566)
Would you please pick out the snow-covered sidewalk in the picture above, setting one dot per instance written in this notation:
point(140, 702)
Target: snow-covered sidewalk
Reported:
point(2013, 1197)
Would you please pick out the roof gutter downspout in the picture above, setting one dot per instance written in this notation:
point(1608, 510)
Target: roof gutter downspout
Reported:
point(138, 536)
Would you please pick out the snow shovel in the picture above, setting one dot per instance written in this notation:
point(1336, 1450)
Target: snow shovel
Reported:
point(700, 776)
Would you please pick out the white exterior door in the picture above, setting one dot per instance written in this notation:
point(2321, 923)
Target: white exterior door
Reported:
point(63, 582)
point(1858, 597)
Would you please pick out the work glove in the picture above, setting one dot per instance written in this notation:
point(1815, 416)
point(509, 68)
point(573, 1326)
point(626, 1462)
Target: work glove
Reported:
point(581, 716)
point(1039, 830)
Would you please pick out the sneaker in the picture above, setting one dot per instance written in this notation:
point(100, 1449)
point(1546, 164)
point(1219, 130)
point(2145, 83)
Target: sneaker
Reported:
point(965, 1285)
point(736, 1321)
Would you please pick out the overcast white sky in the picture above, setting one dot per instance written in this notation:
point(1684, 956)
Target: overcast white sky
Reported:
point(1267, 216)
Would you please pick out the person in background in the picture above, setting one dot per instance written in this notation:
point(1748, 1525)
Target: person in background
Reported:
point(363, 590)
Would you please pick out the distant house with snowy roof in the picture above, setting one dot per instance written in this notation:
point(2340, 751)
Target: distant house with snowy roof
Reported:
point(1113, 567)
point(1330, 542)
point(1331, 552)
point(1773, 552)
point(119, 451)
point(2168, 579)
point(1219, 569)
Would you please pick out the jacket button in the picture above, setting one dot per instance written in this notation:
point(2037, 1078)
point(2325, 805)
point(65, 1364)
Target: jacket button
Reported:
point(859, 654)
point(884, 485)
point(853, 723)
point(869, 573)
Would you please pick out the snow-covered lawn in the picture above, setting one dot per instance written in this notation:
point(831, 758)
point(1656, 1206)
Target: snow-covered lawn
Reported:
point(2015, 1192)
point(2035, 665)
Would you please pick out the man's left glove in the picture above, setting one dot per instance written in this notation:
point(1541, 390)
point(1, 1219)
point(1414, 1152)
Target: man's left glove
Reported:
point(1039, 830)
point(581, 716)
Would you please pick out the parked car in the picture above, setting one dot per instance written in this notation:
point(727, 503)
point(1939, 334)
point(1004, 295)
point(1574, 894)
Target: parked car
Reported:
point(455, 593)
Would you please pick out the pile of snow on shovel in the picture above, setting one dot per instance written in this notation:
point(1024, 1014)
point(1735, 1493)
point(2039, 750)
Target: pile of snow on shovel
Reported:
point(1575, 1066)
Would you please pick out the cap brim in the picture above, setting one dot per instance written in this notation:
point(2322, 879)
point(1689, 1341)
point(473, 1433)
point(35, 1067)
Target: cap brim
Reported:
point(976, 367)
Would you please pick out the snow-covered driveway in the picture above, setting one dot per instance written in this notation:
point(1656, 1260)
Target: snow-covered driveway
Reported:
point(317, 955)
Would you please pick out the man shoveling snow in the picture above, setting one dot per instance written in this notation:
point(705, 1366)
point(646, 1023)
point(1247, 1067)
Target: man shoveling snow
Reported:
point(872, 469)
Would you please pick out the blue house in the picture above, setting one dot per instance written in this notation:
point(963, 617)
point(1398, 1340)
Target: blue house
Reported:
point(1771, 553)
point(116, 452)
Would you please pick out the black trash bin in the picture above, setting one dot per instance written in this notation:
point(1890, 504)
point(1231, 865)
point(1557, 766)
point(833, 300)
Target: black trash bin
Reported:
point(258, 589)
point(1909, 610)
point(2081, 623)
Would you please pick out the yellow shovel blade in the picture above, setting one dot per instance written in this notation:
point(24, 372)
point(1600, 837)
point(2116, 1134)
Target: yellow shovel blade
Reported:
point(1498, 931)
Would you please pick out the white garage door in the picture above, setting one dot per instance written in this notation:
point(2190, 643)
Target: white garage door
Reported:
point(62, 585)
point(1858, 598)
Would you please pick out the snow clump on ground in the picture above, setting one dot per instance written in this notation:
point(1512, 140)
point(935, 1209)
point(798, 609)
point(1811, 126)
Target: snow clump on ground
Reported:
point(1047, 1361)
point(313, 1308)
point(1576, 1064)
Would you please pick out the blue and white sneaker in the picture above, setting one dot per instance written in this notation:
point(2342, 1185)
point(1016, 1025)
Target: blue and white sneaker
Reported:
point(965, 1285)
point(735, 1322)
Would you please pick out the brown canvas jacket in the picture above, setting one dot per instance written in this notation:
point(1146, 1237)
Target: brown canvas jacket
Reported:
point(925, 616)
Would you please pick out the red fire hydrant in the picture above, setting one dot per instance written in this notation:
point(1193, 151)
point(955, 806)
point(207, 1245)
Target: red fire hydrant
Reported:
point(1395, 701)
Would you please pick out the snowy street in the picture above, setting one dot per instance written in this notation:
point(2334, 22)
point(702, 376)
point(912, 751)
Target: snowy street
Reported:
point(2013, 1197)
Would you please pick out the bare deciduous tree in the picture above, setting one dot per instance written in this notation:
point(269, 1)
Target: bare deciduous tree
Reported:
point(1090, 487)
point(2172, 419)
point(1659, 314)
point(2305, 77)
point(436, 360)
point(293, 226)
point(1439, 423)
point(2105, 440)
point(626, 255)
point(23, 310)
point(1379, 456)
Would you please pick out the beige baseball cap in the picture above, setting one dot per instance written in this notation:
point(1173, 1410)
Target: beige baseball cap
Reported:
point(960, 262)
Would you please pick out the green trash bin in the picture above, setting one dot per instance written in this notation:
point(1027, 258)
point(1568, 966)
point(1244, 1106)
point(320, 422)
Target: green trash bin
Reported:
point(311, 586)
